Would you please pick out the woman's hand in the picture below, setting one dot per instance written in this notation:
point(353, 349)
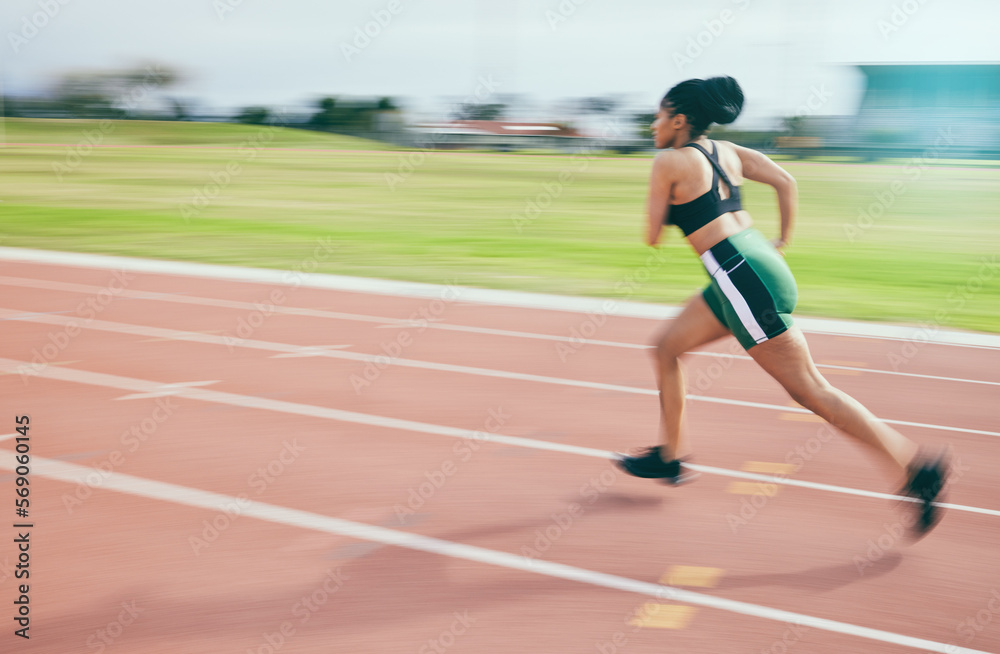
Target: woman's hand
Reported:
point(780, 244)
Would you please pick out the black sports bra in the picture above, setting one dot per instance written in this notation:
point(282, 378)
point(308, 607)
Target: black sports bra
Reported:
point(692, 216)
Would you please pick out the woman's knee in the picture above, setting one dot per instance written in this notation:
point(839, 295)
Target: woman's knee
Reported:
point(664, 351)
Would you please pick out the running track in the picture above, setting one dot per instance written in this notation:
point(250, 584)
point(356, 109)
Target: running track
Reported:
point(239, 466)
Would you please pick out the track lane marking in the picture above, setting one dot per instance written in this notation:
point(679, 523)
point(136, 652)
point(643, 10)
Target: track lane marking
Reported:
point(691, 575)
point(268, 346)
point(491, 297)
point(407, 323)
point(187, 496)
point(266, 404)
point(654, 615)
point(167, 390)
point(771, 467)
point(752, 488)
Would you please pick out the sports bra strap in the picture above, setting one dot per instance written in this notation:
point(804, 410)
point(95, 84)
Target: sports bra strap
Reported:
point(713, 159)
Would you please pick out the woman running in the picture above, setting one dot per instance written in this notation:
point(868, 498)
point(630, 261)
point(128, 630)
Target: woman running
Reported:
point(695, 184)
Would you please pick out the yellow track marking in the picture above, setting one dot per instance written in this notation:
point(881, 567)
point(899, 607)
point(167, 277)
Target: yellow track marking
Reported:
point(753, 488)
point(767, 467)
point(691, 575)
point(663, 616)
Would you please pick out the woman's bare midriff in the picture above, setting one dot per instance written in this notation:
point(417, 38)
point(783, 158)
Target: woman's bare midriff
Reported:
point(718, 230)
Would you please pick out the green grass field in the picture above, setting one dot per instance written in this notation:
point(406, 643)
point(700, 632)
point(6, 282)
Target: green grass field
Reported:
point(266, 197)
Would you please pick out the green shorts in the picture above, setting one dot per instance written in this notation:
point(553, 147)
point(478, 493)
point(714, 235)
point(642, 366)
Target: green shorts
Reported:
point(752, 291)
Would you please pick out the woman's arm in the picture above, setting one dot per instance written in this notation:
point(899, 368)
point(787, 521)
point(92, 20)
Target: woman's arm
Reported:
point(660, 184)
point(759, 168)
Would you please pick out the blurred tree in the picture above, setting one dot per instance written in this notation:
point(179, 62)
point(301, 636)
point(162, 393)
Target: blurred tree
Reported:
point(642, 121)
point(325, 116)
point(793, 124)
point(598, 105)
point(109, 94)
point(180, 109)
point(254, 116)
point(473, 111)
point(10, 107)
point(349, 116)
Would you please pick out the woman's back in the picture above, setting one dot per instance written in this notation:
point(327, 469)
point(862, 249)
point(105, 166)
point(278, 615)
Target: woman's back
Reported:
point(695, 171)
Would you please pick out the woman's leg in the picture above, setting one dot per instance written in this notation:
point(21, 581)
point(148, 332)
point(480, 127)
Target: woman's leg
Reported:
point(786, 357)
point(695, 326)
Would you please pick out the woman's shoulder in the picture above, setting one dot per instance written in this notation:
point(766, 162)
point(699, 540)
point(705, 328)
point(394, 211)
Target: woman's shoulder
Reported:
point(732, 151)
point(728, 145)
point(735, 148)
point(667, 161)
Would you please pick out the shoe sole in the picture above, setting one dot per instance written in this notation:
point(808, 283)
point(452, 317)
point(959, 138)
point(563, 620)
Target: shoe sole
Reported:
point(679, 480)
point(929, 513)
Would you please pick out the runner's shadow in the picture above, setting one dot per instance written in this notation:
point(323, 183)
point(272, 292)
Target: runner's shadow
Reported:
point(820, 579)
point(606, 502)
point(620, 501)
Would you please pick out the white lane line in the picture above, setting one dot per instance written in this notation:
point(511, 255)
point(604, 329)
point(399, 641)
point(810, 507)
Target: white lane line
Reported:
point(406, 323)
point(518, 299)
point(790, 409)
point(6, 437)
point(739, 474)
point(35, 313)
point(71, 287)
point(166, 390)
point(341, 415)
point(875, 371)
point(215, 339)
point(193, 497)
point(307, 351)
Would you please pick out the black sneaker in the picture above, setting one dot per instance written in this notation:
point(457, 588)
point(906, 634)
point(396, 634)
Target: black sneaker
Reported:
point(925, 484)
point(649, 465)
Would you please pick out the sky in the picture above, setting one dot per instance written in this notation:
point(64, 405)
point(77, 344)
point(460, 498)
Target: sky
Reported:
point(791, 56)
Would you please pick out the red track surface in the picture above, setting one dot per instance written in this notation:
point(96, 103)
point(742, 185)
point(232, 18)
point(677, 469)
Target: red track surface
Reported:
point(814, 552)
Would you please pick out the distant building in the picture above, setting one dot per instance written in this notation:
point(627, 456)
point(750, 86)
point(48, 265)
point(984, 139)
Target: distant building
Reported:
point(931, 105)
point(495, 135)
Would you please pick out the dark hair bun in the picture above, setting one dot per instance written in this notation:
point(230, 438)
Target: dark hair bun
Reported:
point(721, 98)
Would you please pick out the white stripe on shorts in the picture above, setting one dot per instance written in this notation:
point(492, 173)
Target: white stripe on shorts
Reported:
point(733, 295)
